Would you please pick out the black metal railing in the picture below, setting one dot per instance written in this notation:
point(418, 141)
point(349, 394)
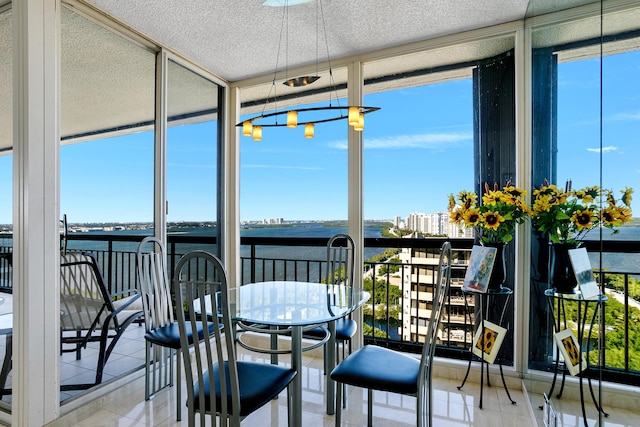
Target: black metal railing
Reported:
point(391, 315)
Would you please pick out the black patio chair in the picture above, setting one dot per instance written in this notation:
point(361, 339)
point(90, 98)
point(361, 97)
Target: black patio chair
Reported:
point(90, 313)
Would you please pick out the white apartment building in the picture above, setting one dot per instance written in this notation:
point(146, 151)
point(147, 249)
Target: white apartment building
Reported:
point(417, 299)
point(435, 223)
point(455, 230)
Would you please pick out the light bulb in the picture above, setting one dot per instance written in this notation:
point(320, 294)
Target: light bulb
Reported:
point(354, 113)
point(292, 119)
point(257, 133)
point(308, 130)
point(247, 128)
point(360, 125)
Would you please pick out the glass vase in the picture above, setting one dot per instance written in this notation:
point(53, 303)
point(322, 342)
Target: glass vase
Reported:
point(561, 275)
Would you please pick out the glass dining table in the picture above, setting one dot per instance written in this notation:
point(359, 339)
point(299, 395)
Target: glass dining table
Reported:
point(296, 305)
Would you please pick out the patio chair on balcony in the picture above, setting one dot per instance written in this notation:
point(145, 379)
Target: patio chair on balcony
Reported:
point(90, 313)
point(217, 383)
point(378, 368)
point(340, 263)
point(162, 338)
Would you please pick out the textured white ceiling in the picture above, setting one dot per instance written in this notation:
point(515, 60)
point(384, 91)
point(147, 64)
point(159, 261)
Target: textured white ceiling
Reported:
point(238, 39)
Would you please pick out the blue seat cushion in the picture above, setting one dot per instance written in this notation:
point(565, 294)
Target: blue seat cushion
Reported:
point(259, 383)
point(345, 330)
point(379, 368)
point(169, 335)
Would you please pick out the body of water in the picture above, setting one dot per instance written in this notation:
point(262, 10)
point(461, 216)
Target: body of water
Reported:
point(616, 262)
point(619, 262)
point(293, 231)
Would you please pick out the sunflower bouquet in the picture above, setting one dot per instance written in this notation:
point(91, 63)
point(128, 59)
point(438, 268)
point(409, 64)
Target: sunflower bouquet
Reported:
point(567, 215)
point(496, 217)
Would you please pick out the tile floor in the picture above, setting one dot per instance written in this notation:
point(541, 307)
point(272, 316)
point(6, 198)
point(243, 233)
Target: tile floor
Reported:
point(452, 407)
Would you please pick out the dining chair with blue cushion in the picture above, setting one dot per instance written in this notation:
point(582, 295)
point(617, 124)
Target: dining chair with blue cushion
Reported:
point(217, 383)
point(339, 271)
point(378, 368)
point(162, 338)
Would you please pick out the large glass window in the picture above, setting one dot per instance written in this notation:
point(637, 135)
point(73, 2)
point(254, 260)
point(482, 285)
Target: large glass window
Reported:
point(107, 113)
point(285, 176)
point(585, 123)
point(192, 156)
point(292, 186)
point(6, 175)
point(430, 140)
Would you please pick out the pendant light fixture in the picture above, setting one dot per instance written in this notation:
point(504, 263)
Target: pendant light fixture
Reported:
point(309, 116)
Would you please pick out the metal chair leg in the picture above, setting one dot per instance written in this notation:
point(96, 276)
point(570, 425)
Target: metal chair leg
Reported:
point(369, 407)
point(338, 406)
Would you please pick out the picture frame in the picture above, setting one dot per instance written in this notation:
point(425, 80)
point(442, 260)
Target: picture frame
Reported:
point(488, 340)
point(570, 351)
point(584, 274)
point(478, 273)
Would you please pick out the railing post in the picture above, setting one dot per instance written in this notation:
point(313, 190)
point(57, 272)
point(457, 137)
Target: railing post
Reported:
point(172, 260)
point(253, 263)
point(109, 263)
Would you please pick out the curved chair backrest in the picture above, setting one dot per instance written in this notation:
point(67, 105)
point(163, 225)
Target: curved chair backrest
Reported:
point(340, 260)
point(84, 299)
point(441, 290)
point(200, 286)
point(153, 283)
point(87, 309)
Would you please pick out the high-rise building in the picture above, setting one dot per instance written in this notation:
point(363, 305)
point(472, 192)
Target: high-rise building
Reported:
point(456, 325)
point(436, 223)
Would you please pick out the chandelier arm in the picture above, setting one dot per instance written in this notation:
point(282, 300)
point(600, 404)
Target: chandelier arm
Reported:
point(364, 110)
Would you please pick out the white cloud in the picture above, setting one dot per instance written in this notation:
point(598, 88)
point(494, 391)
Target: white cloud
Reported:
point(604, 149)
point(426, 141)
point(625, 117)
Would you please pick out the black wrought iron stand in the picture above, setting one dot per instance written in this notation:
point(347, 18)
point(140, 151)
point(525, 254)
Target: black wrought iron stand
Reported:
point(558, 311)
point(487, 300)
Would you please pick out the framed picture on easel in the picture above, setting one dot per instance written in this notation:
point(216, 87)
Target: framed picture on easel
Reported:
point(583, 272)
point(487, 340)
point(479, 269)
point(568, 345)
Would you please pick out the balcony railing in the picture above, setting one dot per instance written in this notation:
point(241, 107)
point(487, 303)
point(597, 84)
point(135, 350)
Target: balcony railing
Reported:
point(400, 290)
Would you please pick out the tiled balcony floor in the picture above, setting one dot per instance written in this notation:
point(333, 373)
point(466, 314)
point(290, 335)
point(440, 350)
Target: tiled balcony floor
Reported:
point(452, 407)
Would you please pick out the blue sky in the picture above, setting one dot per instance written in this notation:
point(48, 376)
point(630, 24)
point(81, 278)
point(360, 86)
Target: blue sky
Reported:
point(403, 162)
point(418, 149)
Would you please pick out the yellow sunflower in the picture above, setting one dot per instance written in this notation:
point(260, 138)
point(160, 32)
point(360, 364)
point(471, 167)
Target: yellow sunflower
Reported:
point(472, 217)
point(583, 219)
point(493, 219)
